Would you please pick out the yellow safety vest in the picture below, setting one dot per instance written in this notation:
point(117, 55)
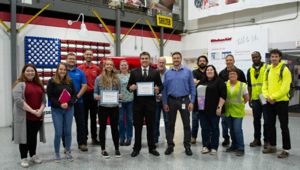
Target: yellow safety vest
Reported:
point(256, 83)
point(234, 104)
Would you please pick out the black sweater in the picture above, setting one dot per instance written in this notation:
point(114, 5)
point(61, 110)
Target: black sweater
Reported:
point(54, 90)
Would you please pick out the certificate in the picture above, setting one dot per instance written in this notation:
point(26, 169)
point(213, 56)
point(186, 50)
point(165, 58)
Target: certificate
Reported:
point(110, 97)
point(145, 89)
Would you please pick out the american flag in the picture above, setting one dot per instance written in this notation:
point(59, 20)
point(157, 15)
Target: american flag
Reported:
point(47, 53)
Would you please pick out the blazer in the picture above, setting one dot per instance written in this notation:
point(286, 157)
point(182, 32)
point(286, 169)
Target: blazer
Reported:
point(136, 75)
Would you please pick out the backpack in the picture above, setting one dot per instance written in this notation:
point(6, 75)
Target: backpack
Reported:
point(292, 87)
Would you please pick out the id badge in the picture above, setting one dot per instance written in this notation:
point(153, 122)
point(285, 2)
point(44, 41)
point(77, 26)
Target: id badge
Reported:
point(183, 106)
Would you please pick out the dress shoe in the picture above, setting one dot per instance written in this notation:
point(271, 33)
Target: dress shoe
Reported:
point(226, 142)
point(255, 143)
point(193, 140)
point(122, 143)
point(188, 152)
point(154, 152)
point(169, 150)
point(128, 142)
point(135, 153)
point(270, 149)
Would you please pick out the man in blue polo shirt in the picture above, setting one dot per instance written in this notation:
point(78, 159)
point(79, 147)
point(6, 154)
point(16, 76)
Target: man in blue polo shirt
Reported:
point(179, 94)
point(80, 83)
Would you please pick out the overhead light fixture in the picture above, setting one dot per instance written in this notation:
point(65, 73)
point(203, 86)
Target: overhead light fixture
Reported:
point(83, 28)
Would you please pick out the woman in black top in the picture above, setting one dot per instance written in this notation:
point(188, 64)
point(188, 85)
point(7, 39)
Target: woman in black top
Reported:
point(215, 95)
point(62, 107)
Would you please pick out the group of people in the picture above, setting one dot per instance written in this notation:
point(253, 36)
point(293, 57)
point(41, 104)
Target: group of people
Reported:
point(142, 94)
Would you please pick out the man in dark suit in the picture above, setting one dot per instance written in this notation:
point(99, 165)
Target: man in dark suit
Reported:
point(144, 105)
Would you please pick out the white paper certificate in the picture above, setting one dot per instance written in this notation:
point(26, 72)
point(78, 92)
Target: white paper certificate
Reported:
point(110, 97)
point(145, 89)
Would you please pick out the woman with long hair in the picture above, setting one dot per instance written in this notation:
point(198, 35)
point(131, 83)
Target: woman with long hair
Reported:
point(215, 95)
point(62, 94)
point(125, 114)
point(108, 80)
point(28, 105)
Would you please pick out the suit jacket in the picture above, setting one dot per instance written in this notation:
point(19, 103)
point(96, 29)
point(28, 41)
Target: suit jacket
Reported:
point(136, 75)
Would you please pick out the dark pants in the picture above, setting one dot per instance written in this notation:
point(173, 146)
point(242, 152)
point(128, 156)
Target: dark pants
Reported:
point(144, 110)
point(210, 130)
point(113, 114)
point(225, 127)
point(195, 123)
point(280, 109)
point(80, 123)
point(259, 111)
point(90, 106)
point(176, 104)
point(159, 109)
point(32, 128)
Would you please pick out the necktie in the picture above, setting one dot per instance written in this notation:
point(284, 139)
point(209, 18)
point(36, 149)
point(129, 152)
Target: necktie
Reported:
point(144, 74)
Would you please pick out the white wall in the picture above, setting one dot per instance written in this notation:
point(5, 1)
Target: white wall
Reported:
point(5, 79)
point(149, 44)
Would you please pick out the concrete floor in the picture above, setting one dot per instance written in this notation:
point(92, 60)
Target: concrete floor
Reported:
point(253, 158)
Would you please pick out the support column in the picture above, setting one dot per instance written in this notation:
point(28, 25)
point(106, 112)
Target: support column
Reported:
point(118, 33)
point(161, 45)
point(13, 39)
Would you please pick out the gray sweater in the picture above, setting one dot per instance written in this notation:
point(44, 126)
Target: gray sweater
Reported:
point(19, 134)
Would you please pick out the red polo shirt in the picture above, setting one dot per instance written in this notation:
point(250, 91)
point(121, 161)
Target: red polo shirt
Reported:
point(91, 72)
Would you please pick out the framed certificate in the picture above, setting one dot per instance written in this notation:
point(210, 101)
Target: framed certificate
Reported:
point(145, 88)
point(110, 97)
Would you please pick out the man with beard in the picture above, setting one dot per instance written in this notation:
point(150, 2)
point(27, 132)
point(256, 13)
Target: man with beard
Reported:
point(199, 79)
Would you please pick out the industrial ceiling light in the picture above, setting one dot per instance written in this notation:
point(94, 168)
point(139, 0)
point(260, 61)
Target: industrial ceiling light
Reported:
point(83, 28)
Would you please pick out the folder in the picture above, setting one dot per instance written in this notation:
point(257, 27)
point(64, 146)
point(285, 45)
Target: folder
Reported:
point(64, 97)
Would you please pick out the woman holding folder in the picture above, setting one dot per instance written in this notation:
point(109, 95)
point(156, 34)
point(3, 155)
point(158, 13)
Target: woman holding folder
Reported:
point(61, 92)
point(106, 92)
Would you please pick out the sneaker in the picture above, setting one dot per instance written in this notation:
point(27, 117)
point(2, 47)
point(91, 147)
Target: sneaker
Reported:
point(213, 152)
point(193, 140)
point(35, 159)
point(255, 143)
point(239, 152)
point(283, 154)
point(105, 154)
point(205, 150)
point(117, 154)
point(270, 149)
point(69, 156)
point(95, 142)
point(188, 152)
point(266, 144)
point(57, 157)
point(24, 163)
point(226, 142)
point(83, 148)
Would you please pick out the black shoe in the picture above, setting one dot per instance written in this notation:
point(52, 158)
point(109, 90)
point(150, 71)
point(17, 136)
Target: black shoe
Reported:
point(188, 152)
point(226, 142)
point(231, 149)
point(255, 143)
point(122, 143)
point(154, 152)
point(95, 142)
point(169, 150)
point(239, 152)
point(135, 153)
point(128, 142)
point(105, 154)
point(117, 154)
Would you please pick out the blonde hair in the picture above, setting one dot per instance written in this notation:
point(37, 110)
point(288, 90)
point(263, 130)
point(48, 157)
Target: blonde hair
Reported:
point(109, 80)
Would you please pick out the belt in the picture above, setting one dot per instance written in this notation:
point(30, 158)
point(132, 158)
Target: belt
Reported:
point(177, 98)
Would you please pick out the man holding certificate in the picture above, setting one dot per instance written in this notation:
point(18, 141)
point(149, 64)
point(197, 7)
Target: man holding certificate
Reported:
point(178, 88)
point(145, 82)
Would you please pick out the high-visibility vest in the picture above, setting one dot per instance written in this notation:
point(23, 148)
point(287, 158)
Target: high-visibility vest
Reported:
point(256, 83)
point(234, 104)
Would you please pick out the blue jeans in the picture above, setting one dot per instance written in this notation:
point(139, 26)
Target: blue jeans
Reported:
point(125, 121)
point(62, 121)
point(158, 110)
point(210, 130)
point(259, 111)
point(225, 127)
point(236, 132)
point(195, 123)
